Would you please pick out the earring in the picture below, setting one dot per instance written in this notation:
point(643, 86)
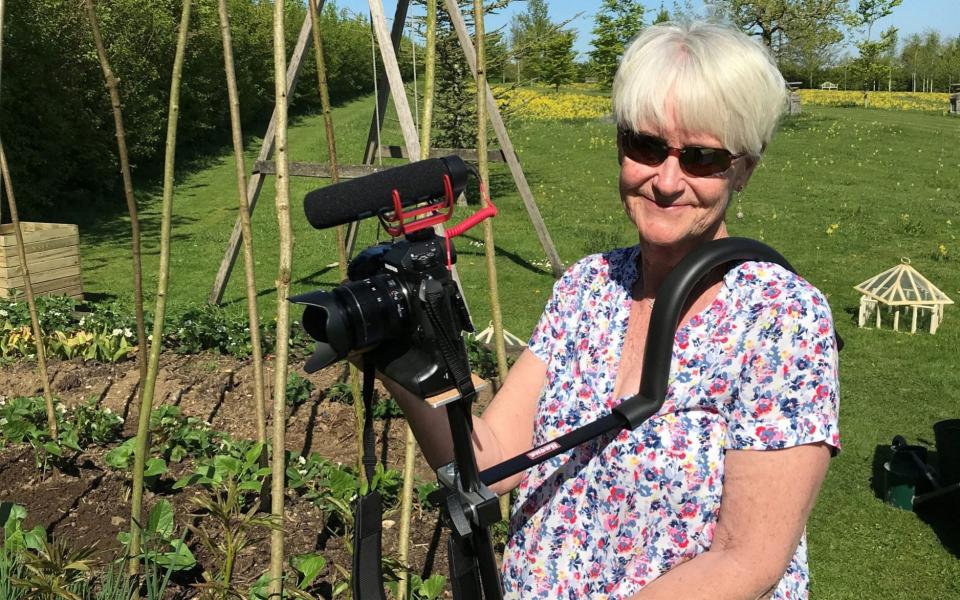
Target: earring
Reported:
point(740, 204)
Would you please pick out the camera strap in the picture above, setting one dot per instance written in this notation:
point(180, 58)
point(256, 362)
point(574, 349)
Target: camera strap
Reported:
point(368, 514)
point(453, 354)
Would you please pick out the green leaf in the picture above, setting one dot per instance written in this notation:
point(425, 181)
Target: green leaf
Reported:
point(154, 467)
point(119, 457)
point(433, 587)
point(160, 520)
point(53, 448)
point(308, 565)
point(180, 559)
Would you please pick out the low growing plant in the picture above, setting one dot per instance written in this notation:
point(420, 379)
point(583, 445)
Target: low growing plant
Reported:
point(160, 547)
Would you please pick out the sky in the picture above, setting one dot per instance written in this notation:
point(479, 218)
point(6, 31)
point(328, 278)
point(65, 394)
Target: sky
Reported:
point(913, 16)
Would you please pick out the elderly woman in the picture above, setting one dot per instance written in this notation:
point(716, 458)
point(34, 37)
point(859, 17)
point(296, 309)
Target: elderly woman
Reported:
point(710, 496)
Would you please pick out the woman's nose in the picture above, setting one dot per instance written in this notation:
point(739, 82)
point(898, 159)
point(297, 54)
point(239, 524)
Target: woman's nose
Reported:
point(669, 180)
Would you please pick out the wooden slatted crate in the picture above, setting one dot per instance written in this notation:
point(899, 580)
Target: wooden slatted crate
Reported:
point(53, 258)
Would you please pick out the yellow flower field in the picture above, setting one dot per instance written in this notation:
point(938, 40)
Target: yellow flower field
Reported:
point(549, 106)
point(921, 101)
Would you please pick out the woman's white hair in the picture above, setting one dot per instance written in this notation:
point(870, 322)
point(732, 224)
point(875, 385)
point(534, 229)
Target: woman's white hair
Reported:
point(715, 79)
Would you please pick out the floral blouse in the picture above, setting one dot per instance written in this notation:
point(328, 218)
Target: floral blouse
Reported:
point(755, 370)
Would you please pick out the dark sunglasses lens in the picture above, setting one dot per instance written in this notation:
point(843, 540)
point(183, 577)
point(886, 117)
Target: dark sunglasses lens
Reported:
point(703, 162)
point(644, 148)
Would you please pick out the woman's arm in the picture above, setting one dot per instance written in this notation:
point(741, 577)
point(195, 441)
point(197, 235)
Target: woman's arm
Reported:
point(767, 497)
point(504, 430)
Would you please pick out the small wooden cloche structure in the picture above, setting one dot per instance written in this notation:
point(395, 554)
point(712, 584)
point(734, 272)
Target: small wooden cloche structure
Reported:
point(902, 287)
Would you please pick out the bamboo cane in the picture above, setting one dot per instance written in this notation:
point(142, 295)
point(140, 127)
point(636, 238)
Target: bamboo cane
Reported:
point(247, 234)
point(410, 447)
point(149, 387)
point(283, 291)
point(353, 374)
point(28, 289)
point(2, 21)
point(488, 242)
point(112, 84)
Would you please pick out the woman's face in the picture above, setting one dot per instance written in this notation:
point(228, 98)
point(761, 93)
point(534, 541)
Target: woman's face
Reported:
point(670, 207)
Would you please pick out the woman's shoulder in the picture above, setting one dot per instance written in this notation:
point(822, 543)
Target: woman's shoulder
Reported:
point(768, 287)
point(618, 265)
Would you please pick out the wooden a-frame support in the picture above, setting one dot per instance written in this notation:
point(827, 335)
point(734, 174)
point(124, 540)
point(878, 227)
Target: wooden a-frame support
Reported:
point(388, 48)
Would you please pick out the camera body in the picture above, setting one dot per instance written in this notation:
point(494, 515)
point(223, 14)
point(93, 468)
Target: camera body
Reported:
point(384, 309)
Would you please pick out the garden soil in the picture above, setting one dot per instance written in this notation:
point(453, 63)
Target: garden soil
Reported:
point(89, 504)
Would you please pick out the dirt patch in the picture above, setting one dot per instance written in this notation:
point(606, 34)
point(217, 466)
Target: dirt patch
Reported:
point(90, 502)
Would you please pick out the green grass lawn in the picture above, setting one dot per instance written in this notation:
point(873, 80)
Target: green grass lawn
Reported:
point(842, 193)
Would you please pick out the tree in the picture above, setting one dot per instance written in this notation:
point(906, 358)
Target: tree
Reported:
point(663, 16)
point(617, 22)
point(776, 22)
point(557, 66)
point(868, 68)
point(531, 33)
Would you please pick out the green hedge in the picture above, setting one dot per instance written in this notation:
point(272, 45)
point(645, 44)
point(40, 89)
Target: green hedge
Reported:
point(57, 125)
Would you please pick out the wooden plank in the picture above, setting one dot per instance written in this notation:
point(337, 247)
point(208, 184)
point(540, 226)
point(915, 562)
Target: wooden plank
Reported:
point(42, 266)
point(467, 154)
point(392, 68)
point(62, 252)
point(255, 183)
point(41, 246)
point(29, 237)
point(317, 170)
point(506, 145)
point(61, 273)
point(42, 287)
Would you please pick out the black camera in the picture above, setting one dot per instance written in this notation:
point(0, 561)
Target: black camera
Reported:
point(400, 303)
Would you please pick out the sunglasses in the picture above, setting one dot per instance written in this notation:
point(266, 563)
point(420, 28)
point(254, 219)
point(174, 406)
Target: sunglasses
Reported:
point(696, 161)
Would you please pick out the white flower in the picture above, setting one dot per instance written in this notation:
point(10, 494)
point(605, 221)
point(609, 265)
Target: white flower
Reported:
point(3, 421)
point(301, 460)
point(116, 332)
point(3, 313)
point(108, 411)
point(127, 333)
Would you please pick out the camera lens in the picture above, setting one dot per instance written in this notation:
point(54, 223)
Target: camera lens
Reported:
point(355, 316)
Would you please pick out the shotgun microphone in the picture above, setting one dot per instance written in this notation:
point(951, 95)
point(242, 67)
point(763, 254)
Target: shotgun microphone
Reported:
point(357, 199)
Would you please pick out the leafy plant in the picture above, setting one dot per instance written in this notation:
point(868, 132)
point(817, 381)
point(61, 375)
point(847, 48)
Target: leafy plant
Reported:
point(176, 437)
point(94, 425)
point(299, 389)
point(340, 391)
point(54, 570)
point(227, 529)
point(23, 419)
point(237, 464)
point(430, 588)
point(160, 547)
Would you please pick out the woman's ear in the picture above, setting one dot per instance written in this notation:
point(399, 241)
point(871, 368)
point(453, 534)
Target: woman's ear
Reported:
point(743, 174)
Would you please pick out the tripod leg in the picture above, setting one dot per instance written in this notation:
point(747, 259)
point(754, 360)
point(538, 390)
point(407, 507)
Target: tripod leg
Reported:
point(464, 574)
point(487, 564)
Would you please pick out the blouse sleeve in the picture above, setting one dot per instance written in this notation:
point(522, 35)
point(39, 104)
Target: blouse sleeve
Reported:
point(550, 331)
point(789, 389)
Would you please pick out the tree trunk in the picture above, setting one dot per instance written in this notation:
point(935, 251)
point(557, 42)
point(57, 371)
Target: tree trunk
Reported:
point(283, 307)
point(31, 304)
point(146, 402)
point(113, 88)
point(247, 234)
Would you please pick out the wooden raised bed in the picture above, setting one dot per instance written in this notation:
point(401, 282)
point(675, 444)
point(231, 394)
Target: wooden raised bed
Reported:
point(53, 258)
